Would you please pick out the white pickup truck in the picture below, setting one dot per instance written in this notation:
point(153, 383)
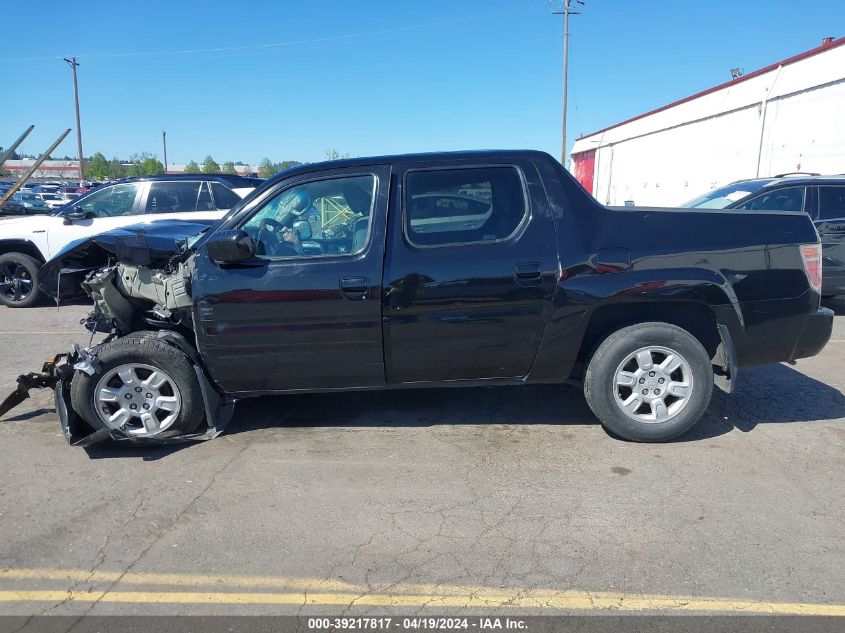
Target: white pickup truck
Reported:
point(26, 243)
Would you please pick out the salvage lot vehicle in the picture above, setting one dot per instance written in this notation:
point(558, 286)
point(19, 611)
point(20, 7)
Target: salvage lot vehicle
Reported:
point(647, 306)
point(27, 243)
point(820, 197)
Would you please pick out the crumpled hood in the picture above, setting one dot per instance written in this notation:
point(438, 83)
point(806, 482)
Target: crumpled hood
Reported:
point(153, 242)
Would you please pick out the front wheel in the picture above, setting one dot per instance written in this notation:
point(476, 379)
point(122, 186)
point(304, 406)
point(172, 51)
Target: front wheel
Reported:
point(146, 388)
point(18, 280)
point(649, 382)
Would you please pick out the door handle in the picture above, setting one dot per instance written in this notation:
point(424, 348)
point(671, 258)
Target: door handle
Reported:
point(354, 288)
point(527, 274)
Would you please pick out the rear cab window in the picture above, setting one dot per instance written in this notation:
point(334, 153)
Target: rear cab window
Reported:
point(463, 205)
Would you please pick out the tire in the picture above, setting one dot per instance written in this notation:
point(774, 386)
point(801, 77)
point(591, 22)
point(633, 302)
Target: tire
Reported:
point(17, 272)
point(683, 383)
point(117, 396)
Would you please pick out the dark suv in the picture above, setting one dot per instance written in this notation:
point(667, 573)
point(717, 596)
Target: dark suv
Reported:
point(821, 197)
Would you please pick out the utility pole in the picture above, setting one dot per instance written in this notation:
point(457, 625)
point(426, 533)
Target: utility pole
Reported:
point(73, 65)
point(566, 12)
point(164, 142)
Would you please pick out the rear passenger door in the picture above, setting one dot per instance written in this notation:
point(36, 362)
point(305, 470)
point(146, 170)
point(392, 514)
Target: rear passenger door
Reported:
point(831, 226)
point(470, 271)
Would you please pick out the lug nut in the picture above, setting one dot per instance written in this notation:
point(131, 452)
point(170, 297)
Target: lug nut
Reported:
point(138, 389)
point(651, 373)
point(146, 406)
point(645, 393)
point(149, 395)
point(642, 381)
point(133, 406)
point(661, 380)
point(128, 396)
point(656, 393)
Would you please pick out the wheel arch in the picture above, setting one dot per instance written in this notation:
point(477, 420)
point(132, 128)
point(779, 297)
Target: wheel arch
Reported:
point(25, 247)
point(697, 318)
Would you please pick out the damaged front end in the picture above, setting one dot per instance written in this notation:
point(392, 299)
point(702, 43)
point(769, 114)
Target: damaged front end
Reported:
point(130, 300)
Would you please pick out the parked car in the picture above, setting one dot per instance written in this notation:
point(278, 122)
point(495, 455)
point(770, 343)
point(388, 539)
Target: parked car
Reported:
point(32, 202)
point(647, 307)
point(12, 207)
point(26, 243)
point(821, 197)
point(52, 200)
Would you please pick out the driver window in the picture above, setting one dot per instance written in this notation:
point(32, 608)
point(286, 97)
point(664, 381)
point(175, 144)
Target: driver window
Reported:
point(110, 201)
point(326, 217)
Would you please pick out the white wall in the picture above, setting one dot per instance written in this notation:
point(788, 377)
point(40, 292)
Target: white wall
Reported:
point(789, 119)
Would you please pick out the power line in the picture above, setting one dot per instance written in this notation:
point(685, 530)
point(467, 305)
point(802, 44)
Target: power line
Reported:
point(258, 47)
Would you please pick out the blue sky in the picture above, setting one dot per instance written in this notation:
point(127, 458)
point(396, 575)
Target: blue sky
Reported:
point(370, 76)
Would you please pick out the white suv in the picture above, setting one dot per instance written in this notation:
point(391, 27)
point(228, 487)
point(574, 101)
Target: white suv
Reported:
point(28, 242)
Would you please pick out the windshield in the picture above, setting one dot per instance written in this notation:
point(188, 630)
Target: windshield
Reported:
point(726, 196)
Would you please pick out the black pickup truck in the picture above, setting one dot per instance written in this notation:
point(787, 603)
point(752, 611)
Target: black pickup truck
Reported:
point(470, 268)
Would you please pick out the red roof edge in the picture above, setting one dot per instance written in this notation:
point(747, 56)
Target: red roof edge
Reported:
point(827, 44)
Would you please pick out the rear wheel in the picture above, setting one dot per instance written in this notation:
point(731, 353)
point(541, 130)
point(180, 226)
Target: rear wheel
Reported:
point(649, 382)
point(18, 280)
point(146, 388)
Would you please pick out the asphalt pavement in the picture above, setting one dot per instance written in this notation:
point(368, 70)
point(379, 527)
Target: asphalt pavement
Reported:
point(458, 500)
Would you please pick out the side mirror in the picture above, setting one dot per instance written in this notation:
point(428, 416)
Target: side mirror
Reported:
point(303, 229)
point(228, 247)
point(76, 214)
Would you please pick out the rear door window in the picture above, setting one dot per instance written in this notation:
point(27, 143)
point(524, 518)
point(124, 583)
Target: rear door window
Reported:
point(459, 206)
point(786, 199)
point(224, 198)
point(176, 197)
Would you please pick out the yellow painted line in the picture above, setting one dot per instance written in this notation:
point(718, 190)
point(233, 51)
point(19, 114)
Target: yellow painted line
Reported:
point(299, 591)
point(59, 333)
point(191, 580)
point(566, 601)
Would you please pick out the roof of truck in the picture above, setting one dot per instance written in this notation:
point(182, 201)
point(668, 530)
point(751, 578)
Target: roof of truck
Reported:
point(485, 154)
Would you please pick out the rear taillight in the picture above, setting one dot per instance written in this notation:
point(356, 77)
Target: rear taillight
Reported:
point(811, 255)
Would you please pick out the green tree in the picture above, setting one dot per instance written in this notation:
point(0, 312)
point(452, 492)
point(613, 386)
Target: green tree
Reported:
point(210, 166)
point(151, 165)
point(266, 168)
point(115, 169)
point(228, 167)
point(287, 164)
point(97, 167)
point(192, 167)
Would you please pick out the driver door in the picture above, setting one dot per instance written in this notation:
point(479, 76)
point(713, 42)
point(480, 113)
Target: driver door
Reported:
point(305, 313)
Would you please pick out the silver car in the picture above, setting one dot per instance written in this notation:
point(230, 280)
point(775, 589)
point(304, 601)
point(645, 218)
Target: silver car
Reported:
point(31, 202)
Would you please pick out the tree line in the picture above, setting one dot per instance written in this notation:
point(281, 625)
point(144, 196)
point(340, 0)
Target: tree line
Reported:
point(98, 167)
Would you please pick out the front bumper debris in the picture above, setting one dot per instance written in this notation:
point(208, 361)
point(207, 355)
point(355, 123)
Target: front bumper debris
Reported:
point(57, 374)
point(48, 378)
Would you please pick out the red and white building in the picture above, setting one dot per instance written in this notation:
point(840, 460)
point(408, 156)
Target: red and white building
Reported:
point(786, 117)
point(69, 169)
